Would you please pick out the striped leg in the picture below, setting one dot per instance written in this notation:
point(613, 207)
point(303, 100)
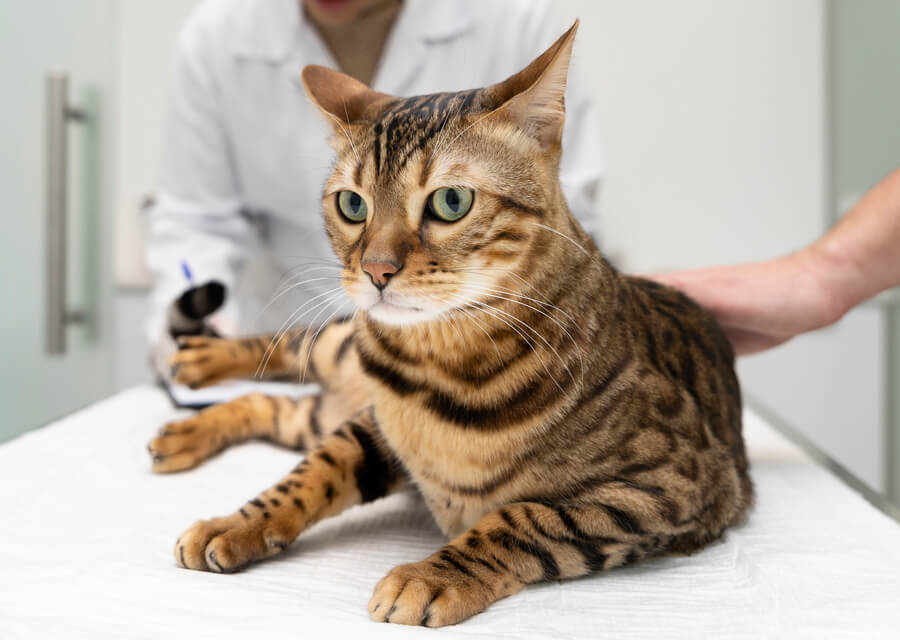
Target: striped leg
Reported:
point(309, 355)
point(202, 361)
point(519, 544)
point(298, 424)
point(350, 467)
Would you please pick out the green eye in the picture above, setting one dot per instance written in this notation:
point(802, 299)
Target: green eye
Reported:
point(450, 203)
point(352, 206)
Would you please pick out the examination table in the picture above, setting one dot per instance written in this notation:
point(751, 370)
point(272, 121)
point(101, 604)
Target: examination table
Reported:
point(87, 531)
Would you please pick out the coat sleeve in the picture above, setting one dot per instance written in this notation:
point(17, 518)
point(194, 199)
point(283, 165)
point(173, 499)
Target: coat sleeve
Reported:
point(197, 217)
point(583, 164)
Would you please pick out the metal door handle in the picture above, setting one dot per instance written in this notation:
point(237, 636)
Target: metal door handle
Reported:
point(58, 115)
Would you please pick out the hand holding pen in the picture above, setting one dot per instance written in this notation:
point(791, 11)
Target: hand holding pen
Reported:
point(188, 314)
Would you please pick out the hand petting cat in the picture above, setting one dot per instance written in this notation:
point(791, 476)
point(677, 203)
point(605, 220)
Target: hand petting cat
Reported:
point(762, 305)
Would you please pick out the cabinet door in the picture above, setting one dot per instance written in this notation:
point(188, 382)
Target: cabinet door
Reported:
point(45, 374)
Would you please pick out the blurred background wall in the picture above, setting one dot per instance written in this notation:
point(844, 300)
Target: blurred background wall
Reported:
point(718, 119)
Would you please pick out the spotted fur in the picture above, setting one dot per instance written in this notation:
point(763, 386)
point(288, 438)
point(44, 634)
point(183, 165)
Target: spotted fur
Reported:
point(558, 417)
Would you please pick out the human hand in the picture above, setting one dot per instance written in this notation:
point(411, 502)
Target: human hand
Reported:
point(765, 304)
point(189, 314)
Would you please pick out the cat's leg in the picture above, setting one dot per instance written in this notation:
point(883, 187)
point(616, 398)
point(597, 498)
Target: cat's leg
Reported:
point(351, 466)
point(326, 356)
point(298, 424)
point(202, 361)
point(519, 544)
point(298, 353)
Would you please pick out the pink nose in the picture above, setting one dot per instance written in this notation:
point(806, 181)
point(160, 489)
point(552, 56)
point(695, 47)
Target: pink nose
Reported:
point(380, 272)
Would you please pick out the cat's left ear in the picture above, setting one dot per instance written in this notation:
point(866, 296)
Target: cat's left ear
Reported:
point(343, 100)
point(534, 98)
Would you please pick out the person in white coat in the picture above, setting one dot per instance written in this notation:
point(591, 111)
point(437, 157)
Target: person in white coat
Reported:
point(245, 150)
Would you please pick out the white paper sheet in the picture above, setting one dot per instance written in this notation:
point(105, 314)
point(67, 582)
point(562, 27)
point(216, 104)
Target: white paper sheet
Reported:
point(228, 390)
point(86, 537)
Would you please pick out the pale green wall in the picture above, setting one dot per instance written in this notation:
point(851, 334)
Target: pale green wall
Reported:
point(865, 121)
point(865, 39)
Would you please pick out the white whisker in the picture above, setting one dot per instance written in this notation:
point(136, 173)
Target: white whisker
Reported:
point(512, 292)
point(322, 306)
point(294, 271)
point(346, 134)
point(288, 289)
point(528, 285)
point(278, 335)
point(562, 235)
point(312, 341)
point(549, 317)
point(536, 333)
point(478, 324)
point(491, 311)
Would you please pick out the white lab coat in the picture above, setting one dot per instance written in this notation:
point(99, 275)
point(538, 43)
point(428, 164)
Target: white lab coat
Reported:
point(245, 150)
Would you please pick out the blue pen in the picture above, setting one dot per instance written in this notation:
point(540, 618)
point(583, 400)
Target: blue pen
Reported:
point(186, 270)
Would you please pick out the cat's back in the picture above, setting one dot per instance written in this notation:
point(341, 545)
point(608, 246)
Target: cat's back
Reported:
point(684, 343)
point(682, 348)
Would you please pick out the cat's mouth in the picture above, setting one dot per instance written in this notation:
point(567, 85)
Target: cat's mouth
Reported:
point(387, 307)
point(392, 301)
point(391, 310)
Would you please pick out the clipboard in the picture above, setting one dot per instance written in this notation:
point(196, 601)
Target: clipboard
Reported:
point(183, 397)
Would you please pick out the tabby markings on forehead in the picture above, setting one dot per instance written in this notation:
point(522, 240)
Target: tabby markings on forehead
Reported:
point(409, 124)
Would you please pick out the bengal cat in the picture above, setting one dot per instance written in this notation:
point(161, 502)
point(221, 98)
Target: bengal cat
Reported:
point(558, 417)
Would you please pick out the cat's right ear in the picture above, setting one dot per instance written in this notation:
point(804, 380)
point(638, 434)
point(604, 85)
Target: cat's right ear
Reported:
point(343, 100)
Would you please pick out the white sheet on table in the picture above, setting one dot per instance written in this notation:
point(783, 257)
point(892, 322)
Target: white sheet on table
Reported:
point(86, 536)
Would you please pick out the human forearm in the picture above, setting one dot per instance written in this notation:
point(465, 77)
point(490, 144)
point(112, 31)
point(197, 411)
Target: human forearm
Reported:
point(764, 304)
point(860, 256)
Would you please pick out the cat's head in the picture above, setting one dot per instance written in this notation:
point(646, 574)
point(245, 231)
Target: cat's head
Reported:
point(438, 202)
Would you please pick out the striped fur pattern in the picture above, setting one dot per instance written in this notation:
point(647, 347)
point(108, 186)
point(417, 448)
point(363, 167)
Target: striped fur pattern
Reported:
point(558, 417)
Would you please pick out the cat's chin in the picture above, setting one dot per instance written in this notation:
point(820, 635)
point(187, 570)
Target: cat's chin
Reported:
point(397, 315)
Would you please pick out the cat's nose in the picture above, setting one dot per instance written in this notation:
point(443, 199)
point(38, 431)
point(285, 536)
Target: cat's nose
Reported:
point(380, 272)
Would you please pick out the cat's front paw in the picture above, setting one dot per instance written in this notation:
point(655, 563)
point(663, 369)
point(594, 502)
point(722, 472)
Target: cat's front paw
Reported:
point(225, 545)
point(429, 594)
point(184, 444)
point(201, 361)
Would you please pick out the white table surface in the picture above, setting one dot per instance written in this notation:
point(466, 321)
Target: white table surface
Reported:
point(86, 536)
